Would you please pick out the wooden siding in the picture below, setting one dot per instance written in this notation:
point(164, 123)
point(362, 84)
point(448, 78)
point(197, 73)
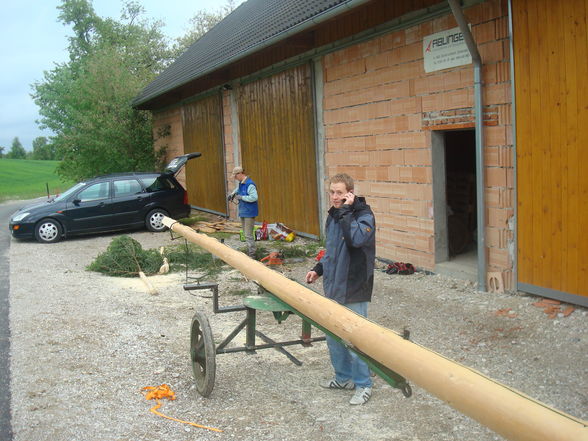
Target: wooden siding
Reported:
point(551, 66)
point(276, 123)
point(205, 177)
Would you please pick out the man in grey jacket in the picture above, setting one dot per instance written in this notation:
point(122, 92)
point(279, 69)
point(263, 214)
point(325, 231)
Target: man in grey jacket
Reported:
point(348, 277)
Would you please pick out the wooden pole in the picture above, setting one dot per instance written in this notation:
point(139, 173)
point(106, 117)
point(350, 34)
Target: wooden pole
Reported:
point(506, 411)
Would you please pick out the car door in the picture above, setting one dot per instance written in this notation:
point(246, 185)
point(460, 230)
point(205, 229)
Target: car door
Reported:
point(128, 202)
point(89, 209)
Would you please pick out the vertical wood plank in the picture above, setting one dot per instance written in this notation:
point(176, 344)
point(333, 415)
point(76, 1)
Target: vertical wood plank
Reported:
point(276, 120)
point(524, 170)
point(551, 62)
point(205, 178)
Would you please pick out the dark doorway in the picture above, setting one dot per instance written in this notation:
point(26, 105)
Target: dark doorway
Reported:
point(460, 175)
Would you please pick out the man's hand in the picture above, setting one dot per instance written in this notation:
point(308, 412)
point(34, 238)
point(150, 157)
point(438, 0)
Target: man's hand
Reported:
point(238, 197)
point(311, 276)
point(230, 196)
point(349, 198)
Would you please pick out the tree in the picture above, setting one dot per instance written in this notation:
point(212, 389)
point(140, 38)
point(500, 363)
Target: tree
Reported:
point(17, 151)
point(86, 102)
point(42, 150)
point(200, 24)
point(2, 152)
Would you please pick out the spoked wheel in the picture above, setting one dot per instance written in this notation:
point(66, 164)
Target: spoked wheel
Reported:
point(202, 354)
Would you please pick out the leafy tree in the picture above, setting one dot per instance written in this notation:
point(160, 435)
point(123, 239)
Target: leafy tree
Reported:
point(2, 152)
point(42, 150)
point(86, 102)
point(17, 151)
point(200, 24)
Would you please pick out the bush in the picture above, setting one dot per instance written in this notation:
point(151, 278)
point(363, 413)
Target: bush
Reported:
point(125, 257)
point(192, 257)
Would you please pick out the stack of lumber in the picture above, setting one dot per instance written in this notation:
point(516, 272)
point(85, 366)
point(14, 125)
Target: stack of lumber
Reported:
point(220, 226)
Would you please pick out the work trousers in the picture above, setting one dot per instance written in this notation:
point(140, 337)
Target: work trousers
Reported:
point(346, 363)
point(247, 224)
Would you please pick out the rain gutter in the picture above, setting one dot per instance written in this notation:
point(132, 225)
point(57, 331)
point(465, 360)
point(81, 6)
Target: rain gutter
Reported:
point(479, 124)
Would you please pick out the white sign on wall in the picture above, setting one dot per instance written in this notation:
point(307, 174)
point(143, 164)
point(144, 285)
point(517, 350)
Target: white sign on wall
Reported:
point(444, 50)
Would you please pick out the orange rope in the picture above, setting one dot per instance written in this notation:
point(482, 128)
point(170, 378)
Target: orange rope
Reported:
point(164, 391)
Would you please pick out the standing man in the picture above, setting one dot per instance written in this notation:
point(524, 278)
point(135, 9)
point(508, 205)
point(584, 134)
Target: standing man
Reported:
point(246, 194)
point(348, 278)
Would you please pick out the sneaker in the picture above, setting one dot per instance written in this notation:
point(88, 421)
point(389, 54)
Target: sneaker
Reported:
point(361, 395)
point(334, 384)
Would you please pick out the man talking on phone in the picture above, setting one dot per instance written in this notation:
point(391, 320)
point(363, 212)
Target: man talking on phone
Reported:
point(348, 278)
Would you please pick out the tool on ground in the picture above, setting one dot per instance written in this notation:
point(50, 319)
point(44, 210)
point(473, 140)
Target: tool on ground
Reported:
point(273, 258)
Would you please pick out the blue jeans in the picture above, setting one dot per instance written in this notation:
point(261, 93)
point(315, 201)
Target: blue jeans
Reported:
point(346, 363)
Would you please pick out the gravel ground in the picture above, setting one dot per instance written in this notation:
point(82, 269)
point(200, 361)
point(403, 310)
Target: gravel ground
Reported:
point(84, 345)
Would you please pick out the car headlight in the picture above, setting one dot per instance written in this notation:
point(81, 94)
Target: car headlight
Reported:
point(20, 216)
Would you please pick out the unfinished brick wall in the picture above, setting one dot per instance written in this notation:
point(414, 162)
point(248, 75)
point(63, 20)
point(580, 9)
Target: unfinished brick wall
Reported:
point(170, 122)
point(380, 108)
point(229, 147)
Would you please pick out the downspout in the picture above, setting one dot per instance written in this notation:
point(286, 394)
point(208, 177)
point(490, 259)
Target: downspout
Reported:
point(515, 258)
point(480, 175)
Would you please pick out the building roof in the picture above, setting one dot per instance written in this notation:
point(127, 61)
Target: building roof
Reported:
point(253, 25)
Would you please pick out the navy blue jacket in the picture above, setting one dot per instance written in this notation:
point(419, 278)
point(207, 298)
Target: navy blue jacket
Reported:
point(348, 264)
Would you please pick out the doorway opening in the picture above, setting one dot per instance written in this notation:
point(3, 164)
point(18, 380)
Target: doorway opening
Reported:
point(454, 191)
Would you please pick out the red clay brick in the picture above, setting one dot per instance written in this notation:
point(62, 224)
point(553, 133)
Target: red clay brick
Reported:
point(501, 25)
point(491, 52)
point(499, 257)
point(417, 157)
point(398, 140)
point(345, 70)
point(568, 311)
point(496, 94)
point(484, 32)
point(410, 52)
point(498, 217)
point(495, 177)
point(347, 158)
point(419, 175)
point(393, 40)
point(387, 157)
point(494, 136)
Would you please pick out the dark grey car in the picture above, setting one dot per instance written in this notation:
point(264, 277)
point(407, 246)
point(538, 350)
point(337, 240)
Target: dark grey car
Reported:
point(107, 203)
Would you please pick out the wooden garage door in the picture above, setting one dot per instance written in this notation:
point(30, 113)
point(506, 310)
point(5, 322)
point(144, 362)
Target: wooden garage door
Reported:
point(205, 178)
point(551, 68)
point(276, 123)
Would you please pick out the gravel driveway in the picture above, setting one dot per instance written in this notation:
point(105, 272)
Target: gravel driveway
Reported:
point(84, 345)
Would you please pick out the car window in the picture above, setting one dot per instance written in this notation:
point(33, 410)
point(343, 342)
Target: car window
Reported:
point(126, 187)
point(157, 183)
point(94, 192)
point(69, 192)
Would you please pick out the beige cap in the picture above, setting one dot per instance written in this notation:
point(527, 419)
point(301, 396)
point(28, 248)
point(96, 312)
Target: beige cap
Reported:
point(236, 171)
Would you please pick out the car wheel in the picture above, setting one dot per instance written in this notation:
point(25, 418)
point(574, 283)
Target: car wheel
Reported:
point(153, 220)
point(48, 231)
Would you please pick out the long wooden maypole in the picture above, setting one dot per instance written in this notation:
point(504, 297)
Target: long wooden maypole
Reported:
point(504, 410)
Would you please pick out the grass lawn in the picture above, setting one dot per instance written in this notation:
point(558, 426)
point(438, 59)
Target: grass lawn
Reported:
point(26, 179)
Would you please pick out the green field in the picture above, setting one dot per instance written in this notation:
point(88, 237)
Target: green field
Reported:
point(26, 179)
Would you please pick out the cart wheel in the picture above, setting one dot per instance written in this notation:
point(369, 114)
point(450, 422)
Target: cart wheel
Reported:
point(406, 389)
point(202, 353)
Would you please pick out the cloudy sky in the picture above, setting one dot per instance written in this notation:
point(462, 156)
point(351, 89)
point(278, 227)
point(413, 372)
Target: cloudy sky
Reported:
point(32, 41)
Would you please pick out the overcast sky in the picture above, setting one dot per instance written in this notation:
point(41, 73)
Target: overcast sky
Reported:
point(32, 41)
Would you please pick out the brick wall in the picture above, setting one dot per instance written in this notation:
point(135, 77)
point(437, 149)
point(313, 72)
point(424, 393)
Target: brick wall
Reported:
point(229, 147)
point(379, 110)
point(170, 121)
